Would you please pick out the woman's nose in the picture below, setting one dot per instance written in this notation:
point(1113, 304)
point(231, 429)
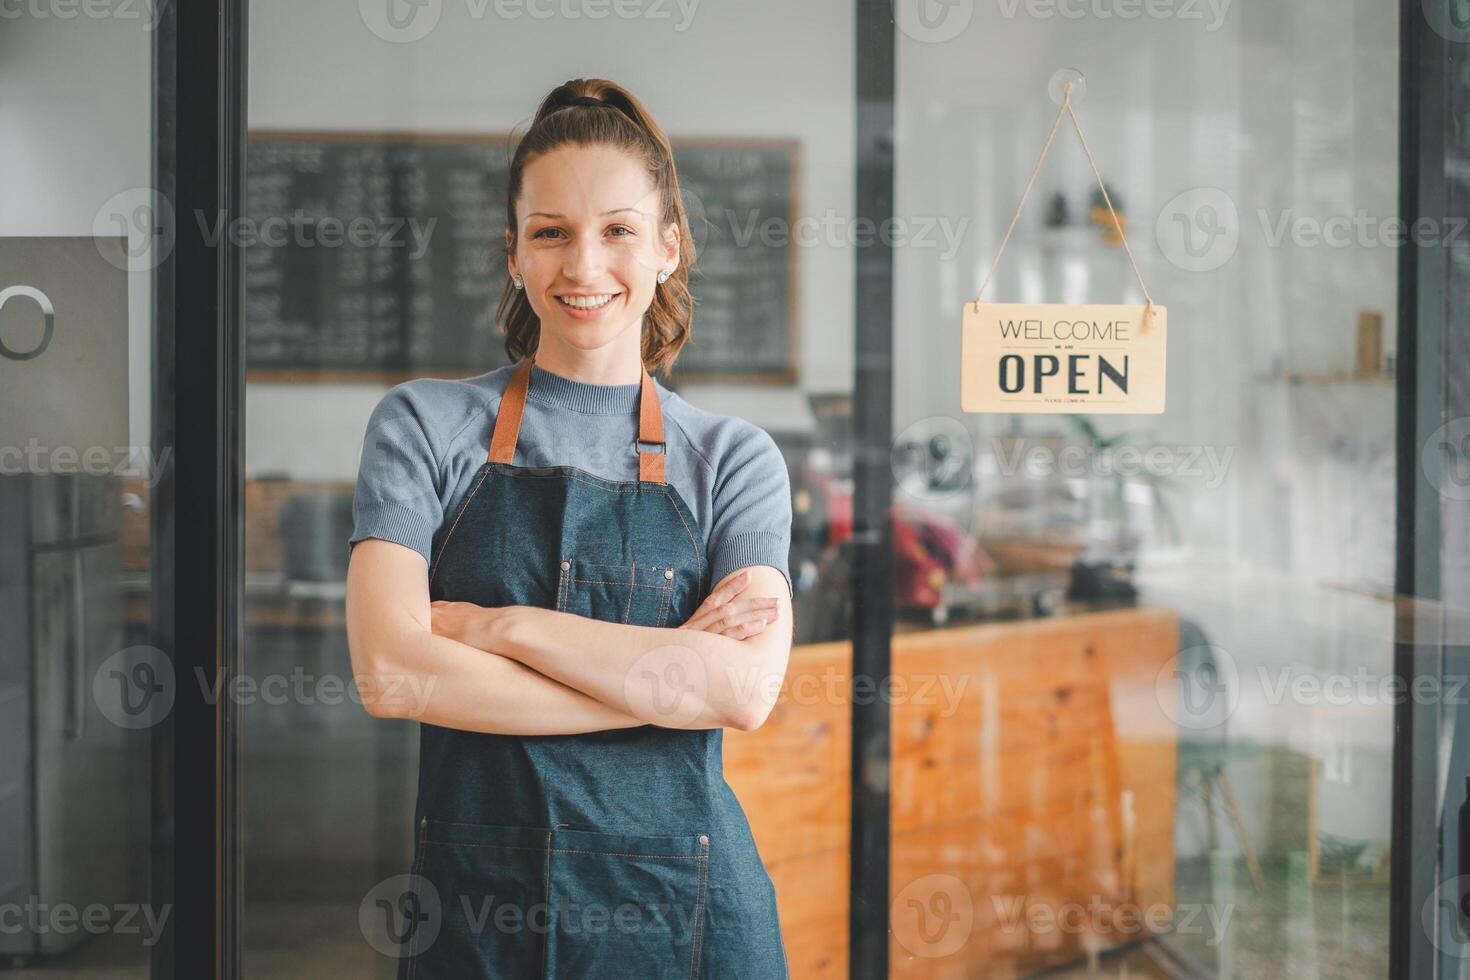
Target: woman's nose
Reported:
point(584, 261)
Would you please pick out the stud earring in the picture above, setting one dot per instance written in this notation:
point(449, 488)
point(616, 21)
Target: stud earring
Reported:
point(663, 276)
point(517, 281)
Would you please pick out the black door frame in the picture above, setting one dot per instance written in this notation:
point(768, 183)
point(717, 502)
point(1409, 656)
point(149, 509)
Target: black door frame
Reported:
point(872, 471)
point(196, 540)
point(1424, 334)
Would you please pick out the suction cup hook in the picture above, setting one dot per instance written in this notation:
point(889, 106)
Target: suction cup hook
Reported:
point(1057, 87)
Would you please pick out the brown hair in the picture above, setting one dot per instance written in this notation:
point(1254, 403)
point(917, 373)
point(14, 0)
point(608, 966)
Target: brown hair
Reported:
point(623, 124)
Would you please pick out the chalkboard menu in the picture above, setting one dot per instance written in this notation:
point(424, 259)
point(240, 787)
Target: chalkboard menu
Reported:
point(382, 256)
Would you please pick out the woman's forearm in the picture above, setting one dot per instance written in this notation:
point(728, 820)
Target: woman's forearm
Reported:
point(404, 668)
point(675, 678)
point(441, 681)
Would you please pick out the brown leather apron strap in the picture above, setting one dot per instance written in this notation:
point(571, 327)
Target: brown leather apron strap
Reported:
point(508, 418)
point(650, 430)
point(513, 403)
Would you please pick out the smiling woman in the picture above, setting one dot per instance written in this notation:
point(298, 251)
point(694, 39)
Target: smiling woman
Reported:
point(596, 619)
point(614, 251)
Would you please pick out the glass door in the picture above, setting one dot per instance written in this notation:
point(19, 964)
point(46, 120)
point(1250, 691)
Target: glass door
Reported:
point(1176, 752)
point(86, 685)
point(1069, 694)
point(375, 179)
point(1431, 901)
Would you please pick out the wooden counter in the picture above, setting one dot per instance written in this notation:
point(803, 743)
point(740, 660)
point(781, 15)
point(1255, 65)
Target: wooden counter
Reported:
point(1032, 794)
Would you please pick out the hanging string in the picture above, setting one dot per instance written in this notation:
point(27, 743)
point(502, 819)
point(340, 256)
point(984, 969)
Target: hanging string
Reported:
point(1067, 110)
point(1026, 191)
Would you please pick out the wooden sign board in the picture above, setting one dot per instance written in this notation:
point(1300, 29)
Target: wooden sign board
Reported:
point(1058, 357)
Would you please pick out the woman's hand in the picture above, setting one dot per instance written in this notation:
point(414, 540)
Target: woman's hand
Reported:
point(738, 619)
point(466, 622)
point(720, 613)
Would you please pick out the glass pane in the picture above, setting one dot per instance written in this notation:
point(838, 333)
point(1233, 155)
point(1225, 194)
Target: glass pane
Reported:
point(1174, 743)
point(80, 684)
point(1445, 468)
point(397, 120)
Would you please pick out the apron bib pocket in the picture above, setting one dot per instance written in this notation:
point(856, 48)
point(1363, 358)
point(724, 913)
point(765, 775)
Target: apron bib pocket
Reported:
point(636, 593)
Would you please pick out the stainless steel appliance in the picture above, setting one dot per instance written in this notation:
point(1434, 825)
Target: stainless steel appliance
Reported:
point(72, 809)
point(73, 781)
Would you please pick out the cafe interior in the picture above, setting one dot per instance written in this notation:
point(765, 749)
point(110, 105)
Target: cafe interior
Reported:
point(1060, 697)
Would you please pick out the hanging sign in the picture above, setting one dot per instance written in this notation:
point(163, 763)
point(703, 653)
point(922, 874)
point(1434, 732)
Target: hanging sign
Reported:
point(1058, 357)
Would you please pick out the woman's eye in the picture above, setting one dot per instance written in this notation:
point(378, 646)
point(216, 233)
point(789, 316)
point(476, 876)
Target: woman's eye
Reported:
point(617, 231)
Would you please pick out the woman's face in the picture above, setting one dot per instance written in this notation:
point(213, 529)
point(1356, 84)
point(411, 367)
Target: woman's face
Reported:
point(589, 247)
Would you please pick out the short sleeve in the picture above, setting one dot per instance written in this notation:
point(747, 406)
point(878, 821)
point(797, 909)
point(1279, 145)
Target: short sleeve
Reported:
point(398, 493)
point(751, 514)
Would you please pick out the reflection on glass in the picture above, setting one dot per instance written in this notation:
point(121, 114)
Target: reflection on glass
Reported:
point(1138, 699)
point(81, 689)
point(1176, 753)
point(334, 321)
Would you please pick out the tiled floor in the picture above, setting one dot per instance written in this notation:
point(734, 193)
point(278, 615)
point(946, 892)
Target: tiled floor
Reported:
point(1345, 936)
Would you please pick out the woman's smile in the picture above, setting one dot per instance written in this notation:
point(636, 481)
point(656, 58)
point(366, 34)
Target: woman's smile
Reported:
point(586, 306)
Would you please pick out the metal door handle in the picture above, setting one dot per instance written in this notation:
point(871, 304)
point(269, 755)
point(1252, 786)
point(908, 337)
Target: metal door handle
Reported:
point(76, 714)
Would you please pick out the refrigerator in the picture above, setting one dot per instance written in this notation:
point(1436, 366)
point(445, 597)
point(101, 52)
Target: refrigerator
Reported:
point(73, 782)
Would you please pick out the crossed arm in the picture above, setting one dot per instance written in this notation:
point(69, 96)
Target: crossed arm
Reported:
point(530, 671)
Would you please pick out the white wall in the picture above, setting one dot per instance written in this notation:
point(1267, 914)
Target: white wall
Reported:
point(75, 132)
point(758, 68)
point(1290, 110)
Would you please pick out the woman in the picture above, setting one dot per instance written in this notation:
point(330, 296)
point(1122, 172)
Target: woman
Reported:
point(575, 580)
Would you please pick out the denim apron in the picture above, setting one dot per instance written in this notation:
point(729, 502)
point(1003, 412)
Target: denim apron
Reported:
point(609, 855)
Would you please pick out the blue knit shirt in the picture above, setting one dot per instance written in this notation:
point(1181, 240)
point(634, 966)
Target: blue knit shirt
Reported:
point(427, 438)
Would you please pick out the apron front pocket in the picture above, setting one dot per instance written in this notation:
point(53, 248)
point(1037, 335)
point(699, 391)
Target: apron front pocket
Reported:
point(627, 907)
point(487, 886)
point(635, 593)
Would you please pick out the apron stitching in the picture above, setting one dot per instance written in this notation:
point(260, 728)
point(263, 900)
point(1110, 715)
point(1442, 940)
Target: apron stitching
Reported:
point(546, 939)
point(680, 515)
point(611, 486)
point(463, 823)
point(581, 476)
point(418, 866)
point(463, 508)
point(636, 585)
point(628, 609)
point(699, 911)
point(628, 854)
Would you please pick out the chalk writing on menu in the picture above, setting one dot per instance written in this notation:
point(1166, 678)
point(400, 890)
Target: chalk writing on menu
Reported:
point(384, 255)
